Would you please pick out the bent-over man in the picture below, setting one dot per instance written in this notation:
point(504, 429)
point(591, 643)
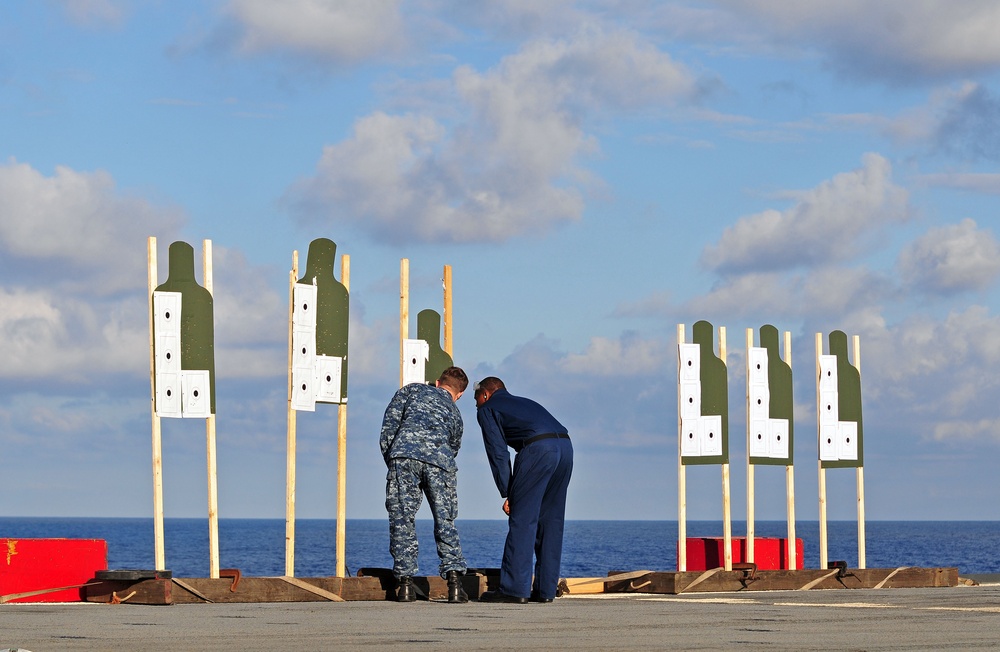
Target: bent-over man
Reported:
point(535, 490)
point(421, 435)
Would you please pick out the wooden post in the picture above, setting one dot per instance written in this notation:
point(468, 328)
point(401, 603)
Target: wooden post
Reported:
point(404, 311)
point(822, 471)
point(158, 547)
point(727, 525)
point(290, 445)
point(751, 531)
point(213, 487)
point(790, 479)
point(448, 320)
point(681, 476)
point(345, 279)
point(860, 473)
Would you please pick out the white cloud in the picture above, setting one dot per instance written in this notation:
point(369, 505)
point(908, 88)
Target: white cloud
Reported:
point(897, 39)
point(935, 373)
point(47, 334)
point(249, 314)
point(609, 396)
point(957, 120)
point(847, 293)
point(28, 319)
point(771, 294)
point(832, 222)
point(976, 429)
point(511, 165)
point(984, 182)
point(343, 31)
point(629, 355)
point(917, 124)
point(78, 223)
point(656, 304)
point(94, 12)
point(516, 18)
point(951, 258)
point(82, 311)
point(965, 344)
point(967, 128)
point(374, 350)
point(843, 292)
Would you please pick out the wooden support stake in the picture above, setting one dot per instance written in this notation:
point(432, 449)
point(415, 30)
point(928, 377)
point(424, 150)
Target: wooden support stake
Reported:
point(345, 279)
point(790, 479)
point(751, 531)
point(158, 547)
point(822, 471)
point(681, 475)
point(404, 311)
point(290, 445)
point(727, 524)
point(448, 321)
point(213, 478)
point(860, 473)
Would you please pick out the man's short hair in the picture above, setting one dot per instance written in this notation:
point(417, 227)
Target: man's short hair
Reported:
point(490, 384)
point(455, 378)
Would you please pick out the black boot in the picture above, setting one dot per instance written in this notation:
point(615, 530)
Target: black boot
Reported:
point(455, 591)
point(406, 591)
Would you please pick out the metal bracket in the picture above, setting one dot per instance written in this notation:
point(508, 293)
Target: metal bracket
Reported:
point(841, 567)
point(749, 571)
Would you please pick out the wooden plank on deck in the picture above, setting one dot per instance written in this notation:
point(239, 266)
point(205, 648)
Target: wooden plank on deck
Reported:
point(718, 580)
point(149, 591)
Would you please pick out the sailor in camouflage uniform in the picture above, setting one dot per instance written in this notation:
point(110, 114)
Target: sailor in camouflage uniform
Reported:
point(421, 435)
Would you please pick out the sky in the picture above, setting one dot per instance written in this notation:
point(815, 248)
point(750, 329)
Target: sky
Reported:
point(595, 173)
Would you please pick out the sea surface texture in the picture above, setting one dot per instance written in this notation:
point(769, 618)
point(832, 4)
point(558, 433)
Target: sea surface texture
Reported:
point(590, 548)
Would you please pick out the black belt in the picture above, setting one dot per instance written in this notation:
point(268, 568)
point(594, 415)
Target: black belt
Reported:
point(548, 435)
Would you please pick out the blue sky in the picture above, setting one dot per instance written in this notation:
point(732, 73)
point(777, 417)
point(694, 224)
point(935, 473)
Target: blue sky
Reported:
point(594, 172)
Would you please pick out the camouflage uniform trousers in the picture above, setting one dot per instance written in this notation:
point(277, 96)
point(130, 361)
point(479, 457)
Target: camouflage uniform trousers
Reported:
point(406, 483)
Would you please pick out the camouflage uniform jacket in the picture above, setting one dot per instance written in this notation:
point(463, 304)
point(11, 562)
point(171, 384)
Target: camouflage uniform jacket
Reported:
point(422, 423)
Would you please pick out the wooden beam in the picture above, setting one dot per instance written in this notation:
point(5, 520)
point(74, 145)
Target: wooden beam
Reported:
point(790, 478)
point(211, 460)
point(448, 317)
point(158, 547)
point(291, 424)
point(370, 588)
point(404, 311)
point(751, 531)
point(823, 559)
point(860, 473)
point(681, 473)
point(719, 580)
point(149, 591)
point(727, 522)
point(282, 589)
point(345, 279)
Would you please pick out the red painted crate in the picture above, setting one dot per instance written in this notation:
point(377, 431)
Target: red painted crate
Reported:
point(28, 565)
point(704, 553)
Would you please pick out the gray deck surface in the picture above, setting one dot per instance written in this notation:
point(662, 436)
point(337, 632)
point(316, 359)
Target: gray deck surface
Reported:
point(962, 617)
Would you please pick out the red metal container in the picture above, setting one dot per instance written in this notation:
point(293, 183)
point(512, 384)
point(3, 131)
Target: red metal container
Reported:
point(30, 565)
point(704, 553)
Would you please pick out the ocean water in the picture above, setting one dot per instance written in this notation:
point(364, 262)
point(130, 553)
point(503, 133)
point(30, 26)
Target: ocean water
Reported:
point(590, 548)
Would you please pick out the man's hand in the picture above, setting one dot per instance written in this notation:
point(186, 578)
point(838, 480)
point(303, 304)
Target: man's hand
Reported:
point(506, 507)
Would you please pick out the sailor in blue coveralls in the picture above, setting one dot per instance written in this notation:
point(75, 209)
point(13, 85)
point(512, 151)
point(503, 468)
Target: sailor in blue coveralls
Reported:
point(535, 490)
